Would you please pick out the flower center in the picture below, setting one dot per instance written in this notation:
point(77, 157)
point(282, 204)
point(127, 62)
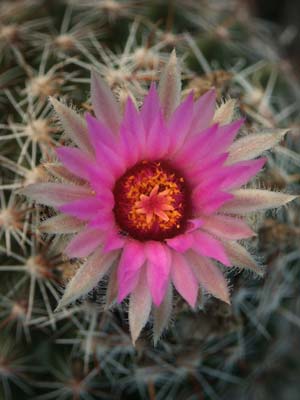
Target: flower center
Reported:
point(152, 201)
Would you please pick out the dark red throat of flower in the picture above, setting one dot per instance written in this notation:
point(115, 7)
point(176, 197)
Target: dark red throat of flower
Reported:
point(152, 201)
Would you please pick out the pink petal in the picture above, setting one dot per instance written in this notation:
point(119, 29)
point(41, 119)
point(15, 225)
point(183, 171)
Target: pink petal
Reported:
point(151, 108)
point(157, 141)
point(113, 241)
point(132, 121)
point(84, 243)
point(132, 259)
point(208, 203)
point(99, 133)
point(204, 110)
point(84, 209)
point(208, 246)
point(226, 227)
point(104, 220)
point(158, 269)
point(181, 243)
point(210, 277)
point(104, 104)
point(55, 194)
point(196, 148)
point(79, 164)
point(184, 279)
point(241, 173)
point(180, 123)
point(226, 135)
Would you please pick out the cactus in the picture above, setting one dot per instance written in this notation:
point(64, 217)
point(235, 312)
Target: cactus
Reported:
point(219, 351)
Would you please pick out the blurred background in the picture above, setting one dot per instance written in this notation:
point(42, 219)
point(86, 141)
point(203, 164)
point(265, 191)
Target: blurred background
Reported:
point(249, 50)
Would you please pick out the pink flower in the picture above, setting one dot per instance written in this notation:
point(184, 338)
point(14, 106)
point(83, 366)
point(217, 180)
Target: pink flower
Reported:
point(153, 197)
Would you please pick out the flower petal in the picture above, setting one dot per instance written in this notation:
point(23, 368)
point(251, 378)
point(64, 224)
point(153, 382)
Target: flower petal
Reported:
point(83, 209)
point(74, 126)
point(225, 112)
point(158, 269)
point(139, 306)
point(251, 146)
point(204, 110)
point(184, 279)
point(84, 243)
point(208, 246)
point(61, 224)
point(249, 200)
point(151, 108)
point(132, 259)
point(180, 123)
point(104, 104)
point(162, 314)
point(241, 258)
point(210, 277)
point(170, 86)
point(226, 227)
point(55, 194)
point(88, 276)
point(240, 173)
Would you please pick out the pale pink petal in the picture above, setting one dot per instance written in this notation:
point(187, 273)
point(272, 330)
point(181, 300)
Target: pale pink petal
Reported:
point(88, 276)
point(112, 288)
point(162, 314)
point(139, 306)
point(158, 269)
point(180, 123)
point(251, 146)
point(61, 224)
point(170, 86)
point(204, 110)
point(184, 279)
point(208, 246)
point(210, 277)
point(226, 227)
point(132, 259)
point(241, 258)
point(55, 194)
point(104, 104)
point(84, 243)
point(74, 126)
point(224, 114)
point(249, 200)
